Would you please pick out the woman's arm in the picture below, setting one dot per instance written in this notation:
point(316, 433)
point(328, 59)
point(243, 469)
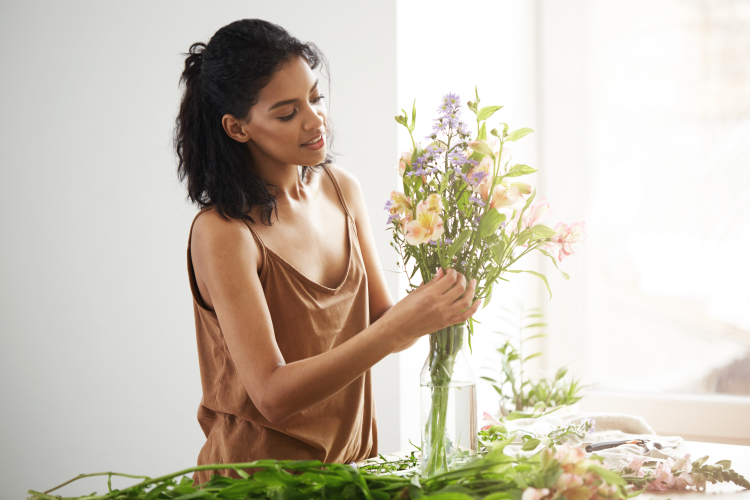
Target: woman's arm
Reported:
point(226, 256)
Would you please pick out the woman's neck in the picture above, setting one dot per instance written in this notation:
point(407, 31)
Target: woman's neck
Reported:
point(285, 182)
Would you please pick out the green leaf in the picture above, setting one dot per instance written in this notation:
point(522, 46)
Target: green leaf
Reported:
point(486, 112)
point(554, 261)
point(502, 495)
point(498, 251)
point(487, 298)
point(538, 335)
point(700, 461)
point(458, 243)
point(413, 115)
point(726, 464)
point(197, 494)
point(482, 136)
point(530, 444)
point(519, 169)
point(610, 476)
point(489, 222)
point(482, 147)
point(523, 236)
point(534, 325)
point(451, 496)
point(542, 231)
point(538, 275)
point(517, 134)
point(515, 415)
point(532, 356)
point(526, 205)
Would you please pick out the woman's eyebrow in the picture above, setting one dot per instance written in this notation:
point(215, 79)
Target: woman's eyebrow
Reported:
point(291, 101)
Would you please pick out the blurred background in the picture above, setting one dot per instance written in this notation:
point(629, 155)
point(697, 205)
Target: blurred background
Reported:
point(642, 118)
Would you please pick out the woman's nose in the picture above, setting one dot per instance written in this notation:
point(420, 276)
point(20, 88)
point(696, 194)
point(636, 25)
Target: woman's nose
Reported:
point(315, 120)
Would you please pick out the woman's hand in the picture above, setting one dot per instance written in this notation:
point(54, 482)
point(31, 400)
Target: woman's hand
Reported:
point(446, 300)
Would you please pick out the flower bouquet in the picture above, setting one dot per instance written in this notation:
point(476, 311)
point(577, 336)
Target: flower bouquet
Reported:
point(464, 207)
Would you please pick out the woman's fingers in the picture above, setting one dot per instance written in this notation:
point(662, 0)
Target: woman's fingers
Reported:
point(439, 274)
point(464, 316)
point(457, 290)
point(465, 302)
point(446, 281)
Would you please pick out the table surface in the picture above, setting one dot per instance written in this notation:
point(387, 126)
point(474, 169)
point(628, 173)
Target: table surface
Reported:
point(739, 455)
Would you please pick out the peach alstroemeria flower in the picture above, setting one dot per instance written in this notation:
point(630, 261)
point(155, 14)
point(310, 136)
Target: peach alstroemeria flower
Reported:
point(506, 193)
point(401, 203)
point(404, 161)
point(427, 226)
point(481, 171)
point(434, 204)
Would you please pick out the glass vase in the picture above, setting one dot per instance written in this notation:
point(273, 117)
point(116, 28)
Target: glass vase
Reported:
point(449, 404)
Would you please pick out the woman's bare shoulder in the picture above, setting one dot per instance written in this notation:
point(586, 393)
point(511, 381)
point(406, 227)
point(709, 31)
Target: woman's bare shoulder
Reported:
point(216, 236)
point(350, 187)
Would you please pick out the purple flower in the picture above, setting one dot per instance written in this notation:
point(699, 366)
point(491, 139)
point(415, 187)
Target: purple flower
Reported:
point(388, 205)
point(478, 177)
point(433, 243)
point(448, 241)
point(475, 199)
point(456, 158)
point(393, 217)
point(593, 425)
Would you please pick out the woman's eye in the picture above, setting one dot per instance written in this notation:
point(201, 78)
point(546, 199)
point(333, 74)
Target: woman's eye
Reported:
point(314, 100)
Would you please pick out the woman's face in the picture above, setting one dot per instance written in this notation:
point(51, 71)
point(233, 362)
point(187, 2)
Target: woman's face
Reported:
point(288, 123)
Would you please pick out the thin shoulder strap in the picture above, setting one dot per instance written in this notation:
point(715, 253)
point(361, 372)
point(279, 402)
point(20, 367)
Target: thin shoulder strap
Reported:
point(338, 190)
point(257, 237)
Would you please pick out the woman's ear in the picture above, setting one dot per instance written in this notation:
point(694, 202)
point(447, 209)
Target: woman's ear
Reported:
point(234, 128)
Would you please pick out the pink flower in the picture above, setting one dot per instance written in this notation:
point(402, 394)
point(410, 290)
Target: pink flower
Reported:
point(566, 236)
point(427, 226)
point(537, 213)
point(636, 462)
point(404, 161)
point(663, 477)
point(683, 464)
point(492, 421)
point(684, 480)
point(534, 494)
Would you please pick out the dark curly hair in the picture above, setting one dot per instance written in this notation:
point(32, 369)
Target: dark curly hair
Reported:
point(225, 77)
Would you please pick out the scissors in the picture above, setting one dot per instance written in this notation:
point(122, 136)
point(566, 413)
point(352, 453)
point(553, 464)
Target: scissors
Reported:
point(611, 444)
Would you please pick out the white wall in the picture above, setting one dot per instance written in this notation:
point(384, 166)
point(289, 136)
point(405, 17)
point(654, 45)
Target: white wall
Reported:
point(98, 365)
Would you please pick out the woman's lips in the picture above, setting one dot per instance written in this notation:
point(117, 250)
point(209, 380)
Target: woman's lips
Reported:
point(316, 145)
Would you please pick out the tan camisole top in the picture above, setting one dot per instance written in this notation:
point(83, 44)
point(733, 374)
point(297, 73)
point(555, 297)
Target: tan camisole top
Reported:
point(308, 319)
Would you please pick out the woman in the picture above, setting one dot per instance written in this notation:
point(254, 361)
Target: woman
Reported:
point(289, 298)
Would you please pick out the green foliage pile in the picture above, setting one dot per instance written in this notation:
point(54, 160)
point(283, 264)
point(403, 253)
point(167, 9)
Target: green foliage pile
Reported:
point(493, 477)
